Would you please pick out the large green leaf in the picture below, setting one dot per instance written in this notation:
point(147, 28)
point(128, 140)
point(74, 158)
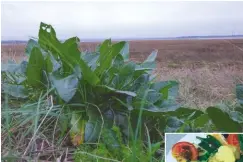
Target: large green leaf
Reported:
point(222, 120)
point(93, 126)
point(18, 91)
point(67, 51)
point(91, 59)
point(104, 48)
point(239, 93)
point(65, 87)
point(35, 68)
point(173, 124)
point(88, 74)
point(48, 64)
point(15, 73)
point(183, 112)
point(201, 121)
point(153, 96)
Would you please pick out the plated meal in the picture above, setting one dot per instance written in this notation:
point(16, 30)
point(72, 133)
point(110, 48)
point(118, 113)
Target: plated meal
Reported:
point(210, 148)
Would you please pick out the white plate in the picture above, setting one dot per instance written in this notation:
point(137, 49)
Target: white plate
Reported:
point(187, 138)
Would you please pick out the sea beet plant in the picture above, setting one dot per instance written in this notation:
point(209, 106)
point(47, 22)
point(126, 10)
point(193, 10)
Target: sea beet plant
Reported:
point(104, 85)
point(103, 89)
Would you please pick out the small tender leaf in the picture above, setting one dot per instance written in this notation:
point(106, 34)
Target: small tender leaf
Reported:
point(169, 89)
point(151, 57)
point(149, 64)
point(222, 120)
point(125, 52)
point(30, 45)
point(77, 129)
point(107, 54)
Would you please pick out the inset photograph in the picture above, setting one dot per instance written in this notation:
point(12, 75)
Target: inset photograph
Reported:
point(204, 147)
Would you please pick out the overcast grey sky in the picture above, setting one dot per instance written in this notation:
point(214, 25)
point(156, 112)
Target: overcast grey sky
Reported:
point(20, 20)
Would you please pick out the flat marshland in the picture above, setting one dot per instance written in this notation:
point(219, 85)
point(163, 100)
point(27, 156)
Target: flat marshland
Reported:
point(207, 70)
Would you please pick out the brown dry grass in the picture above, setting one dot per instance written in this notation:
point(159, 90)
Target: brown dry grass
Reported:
point(206, 69)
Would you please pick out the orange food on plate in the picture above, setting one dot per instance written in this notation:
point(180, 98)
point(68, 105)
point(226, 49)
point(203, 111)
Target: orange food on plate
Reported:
point(184, 150)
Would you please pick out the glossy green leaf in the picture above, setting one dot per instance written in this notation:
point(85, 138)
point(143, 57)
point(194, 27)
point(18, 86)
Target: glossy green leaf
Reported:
point(35, 68)
point(48, 63)
point(183, 112)
point(201, 121)
point(222, 120)
point(88, 74)
point(68, 52)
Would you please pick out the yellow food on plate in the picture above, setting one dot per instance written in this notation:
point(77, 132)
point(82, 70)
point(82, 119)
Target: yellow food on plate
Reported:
point(224, 154)
point(236, 151)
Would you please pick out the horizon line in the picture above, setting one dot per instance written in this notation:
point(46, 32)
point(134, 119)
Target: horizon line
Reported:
point(145, 38)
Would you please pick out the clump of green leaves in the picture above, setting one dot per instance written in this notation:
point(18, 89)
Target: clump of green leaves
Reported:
point(104, 83)
point(103, 89)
